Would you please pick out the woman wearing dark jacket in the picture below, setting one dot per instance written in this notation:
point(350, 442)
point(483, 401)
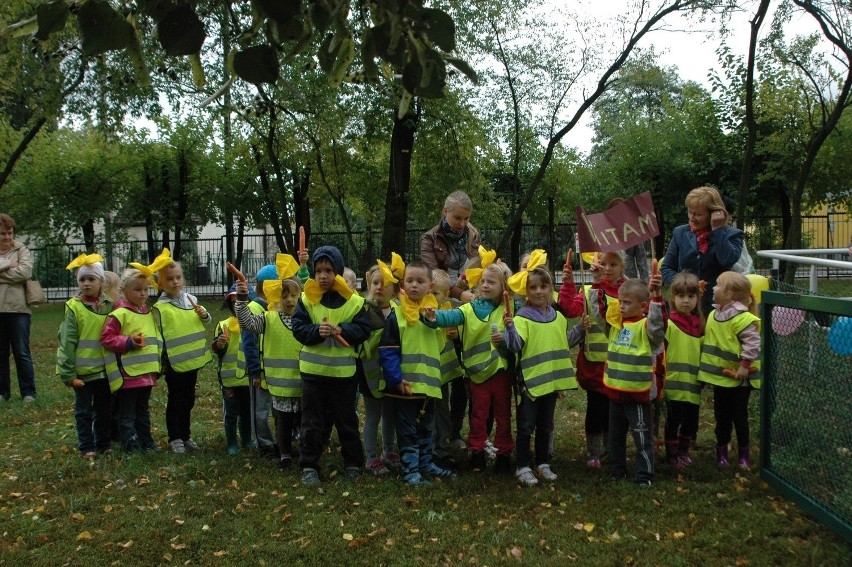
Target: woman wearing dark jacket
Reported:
point(707, 246)
point(452, 243)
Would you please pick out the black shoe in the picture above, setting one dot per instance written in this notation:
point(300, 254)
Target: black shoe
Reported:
point(477, 461)
point(503, 464)
point(285, 461)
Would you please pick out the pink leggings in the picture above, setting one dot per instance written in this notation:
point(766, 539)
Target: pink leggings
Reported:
point(496, 393)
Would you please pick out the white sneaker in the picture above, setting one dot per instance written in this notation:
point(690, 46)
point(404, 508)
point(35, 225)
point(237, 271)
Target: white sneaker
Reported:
point(545, 472)
point(191, 445)
point(526, 477)
point(28, 399)
point(177, 446)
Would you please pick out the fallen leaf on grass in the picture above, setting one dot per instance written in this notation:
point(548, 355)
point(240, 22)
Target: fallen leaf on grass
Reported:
point(220, 553)
point(84, 536)
point(678, 535)
point(178, 546)
point(741, 562)
point(107, 508)
point(78, 517)
point(348, 537)
point(516, 552)
point(127, 545)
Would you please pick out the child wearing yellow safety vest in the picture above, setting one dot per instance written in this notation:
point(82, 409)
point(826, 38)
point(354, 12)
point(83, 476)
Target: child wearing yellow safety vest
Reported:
point(635, 340)
point(452, 373)
point(730, 361)
point(591, 358)
point(330, 321)
point(684, 334)
point(279, 350)
point(81, 359)
point(233, 378)
point(485, 359)
point(541, 336)
point(410, 352)
point(383, 288)
point(181, 321)
point(131, 333)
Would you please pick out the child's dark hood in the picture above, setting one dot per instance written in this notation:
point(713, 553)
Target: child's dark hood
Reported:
point(331, 254)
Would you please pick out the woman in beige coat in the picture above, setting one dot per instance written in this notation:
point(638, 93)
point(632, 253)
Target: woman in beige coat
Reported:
point(16, 267)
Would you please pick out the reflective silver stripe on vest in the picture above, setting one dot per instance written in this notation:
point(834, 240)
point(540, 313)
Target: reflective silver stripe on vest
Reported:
point(682, 367)
point(628, 375)
point(597, 347)
point(370, 365)
point(723, 354)
point(228, 373)
point(477, 349)
point(450, 366)
point(279, 363)
point(548, 356)
point(425, 379)
point(420, 358)
point(289, 383)
point(184, 356)
point(313, 358)
point(186, 339)
point(476, 368)
point(81, 362)
point(232, 357)
point(632, 359)
point(558, 374)
point(88, 343)
point(142, 358)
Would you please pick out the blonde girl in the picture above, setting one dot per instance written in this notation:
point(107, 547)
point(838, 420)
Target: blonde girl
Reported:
point(683, 351)
point(730, 362)
point(382, 292)
point(485, 358)
point(131, 333)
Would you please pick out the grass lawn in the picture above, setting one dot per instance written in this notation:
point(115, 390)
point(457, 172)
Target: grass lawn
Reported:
point(211, 508)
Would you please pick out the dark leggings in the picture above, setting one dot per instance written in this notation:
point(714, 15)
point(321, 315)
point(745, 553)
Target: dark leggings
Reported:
point(730, 406)
point(597, 413)
point(681, 420)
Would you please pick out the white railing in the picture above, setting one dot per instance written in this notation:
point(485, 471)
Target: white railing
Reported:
point(805, 257)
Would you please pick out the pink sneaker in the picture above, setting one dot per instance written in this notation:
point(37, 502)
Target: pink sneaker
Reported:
point(377, 467)
point(391, 460)
point(594, 462)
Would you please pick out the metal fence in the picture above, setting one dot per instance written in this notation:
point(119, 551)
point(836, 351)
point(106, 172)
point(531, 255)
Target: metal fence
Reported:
point(806, 430)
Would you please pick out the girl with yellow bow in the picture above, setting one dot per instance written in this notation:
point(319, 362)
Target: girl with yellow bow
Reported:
point(540, 336)
point(280, 349)
point(81, 360)
point(480, 325)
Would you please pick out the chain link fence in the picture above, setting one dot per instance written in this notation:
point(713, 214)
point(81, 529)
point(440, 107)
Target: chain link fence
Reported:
point(806, 431)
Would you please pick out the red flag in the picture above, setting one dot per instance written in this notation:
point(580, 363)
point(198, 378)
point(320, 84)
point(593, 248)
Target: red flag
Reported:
point(622, 226)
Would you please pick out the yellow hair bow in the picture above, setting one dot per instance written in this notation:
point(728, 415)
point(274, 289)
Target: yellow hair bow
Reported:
point(518, 282)
point(486, 258)
point(160, 262)
point(412, 309)
point(272, 290)
point(313, 291)
point(393, 273)
point(286, 266)
point(84, 260)
point(590, 257)
point(233, 325)
point(613, 313)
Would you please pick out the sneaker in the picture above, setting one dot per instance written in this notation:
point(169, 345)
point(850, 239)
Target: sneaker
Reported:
point(351, 474)
point(310, 477)
point(435, 471)
point(594, 462)
point(88, 455)
point(391, 460)
point(490, 449)
point(643, 484)
point(153, 447)
point(526, 477)
point(477, 461)
point(29, 399)
point(285, 461)
point(191, 445)
point(458, 444)
point(377, 467)
point(177, 446)
point(417, 480)
point(545, 472)
point(269, 453)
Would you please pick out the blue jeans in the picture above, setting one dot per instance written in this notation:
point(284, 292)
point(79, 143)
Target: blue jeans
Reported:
point(15, 333)
point(535, 416)
point(92, 412)
point(415, 421)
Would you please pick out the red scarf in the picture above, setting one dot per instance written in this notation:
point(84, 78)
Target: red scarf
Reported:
point(703, 237)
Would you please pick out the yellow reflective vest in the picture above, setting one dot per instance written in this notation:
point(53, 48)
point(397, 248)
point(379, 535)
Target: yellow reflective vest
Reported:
point(145, 360)
point(545, 363)
point(683, 353)
point(281, 358)
point(90, 357)
point(596, 341)
point(184, 337)
point(420, 355)
point(232, 364)
point(370, 364)
point(630, 359)
point(330, 358)
point(721, 349)
point(481, 359)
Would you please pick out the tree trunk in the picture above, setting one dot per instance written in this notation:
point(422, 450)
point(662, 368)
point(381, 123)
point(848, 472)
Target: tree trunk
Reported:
point(89, 235)
point(268, 200)
point(399, 181)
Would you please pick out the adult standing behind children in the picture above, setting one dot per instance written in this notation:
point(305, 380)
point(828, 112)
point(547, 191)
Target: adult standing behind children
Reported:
point(707, 246)
point(452, 243)
point(16, 267)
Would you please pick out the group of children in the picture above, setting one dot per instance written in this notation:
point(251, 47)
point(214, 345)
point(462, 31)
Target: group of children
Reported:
point(305, 344)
